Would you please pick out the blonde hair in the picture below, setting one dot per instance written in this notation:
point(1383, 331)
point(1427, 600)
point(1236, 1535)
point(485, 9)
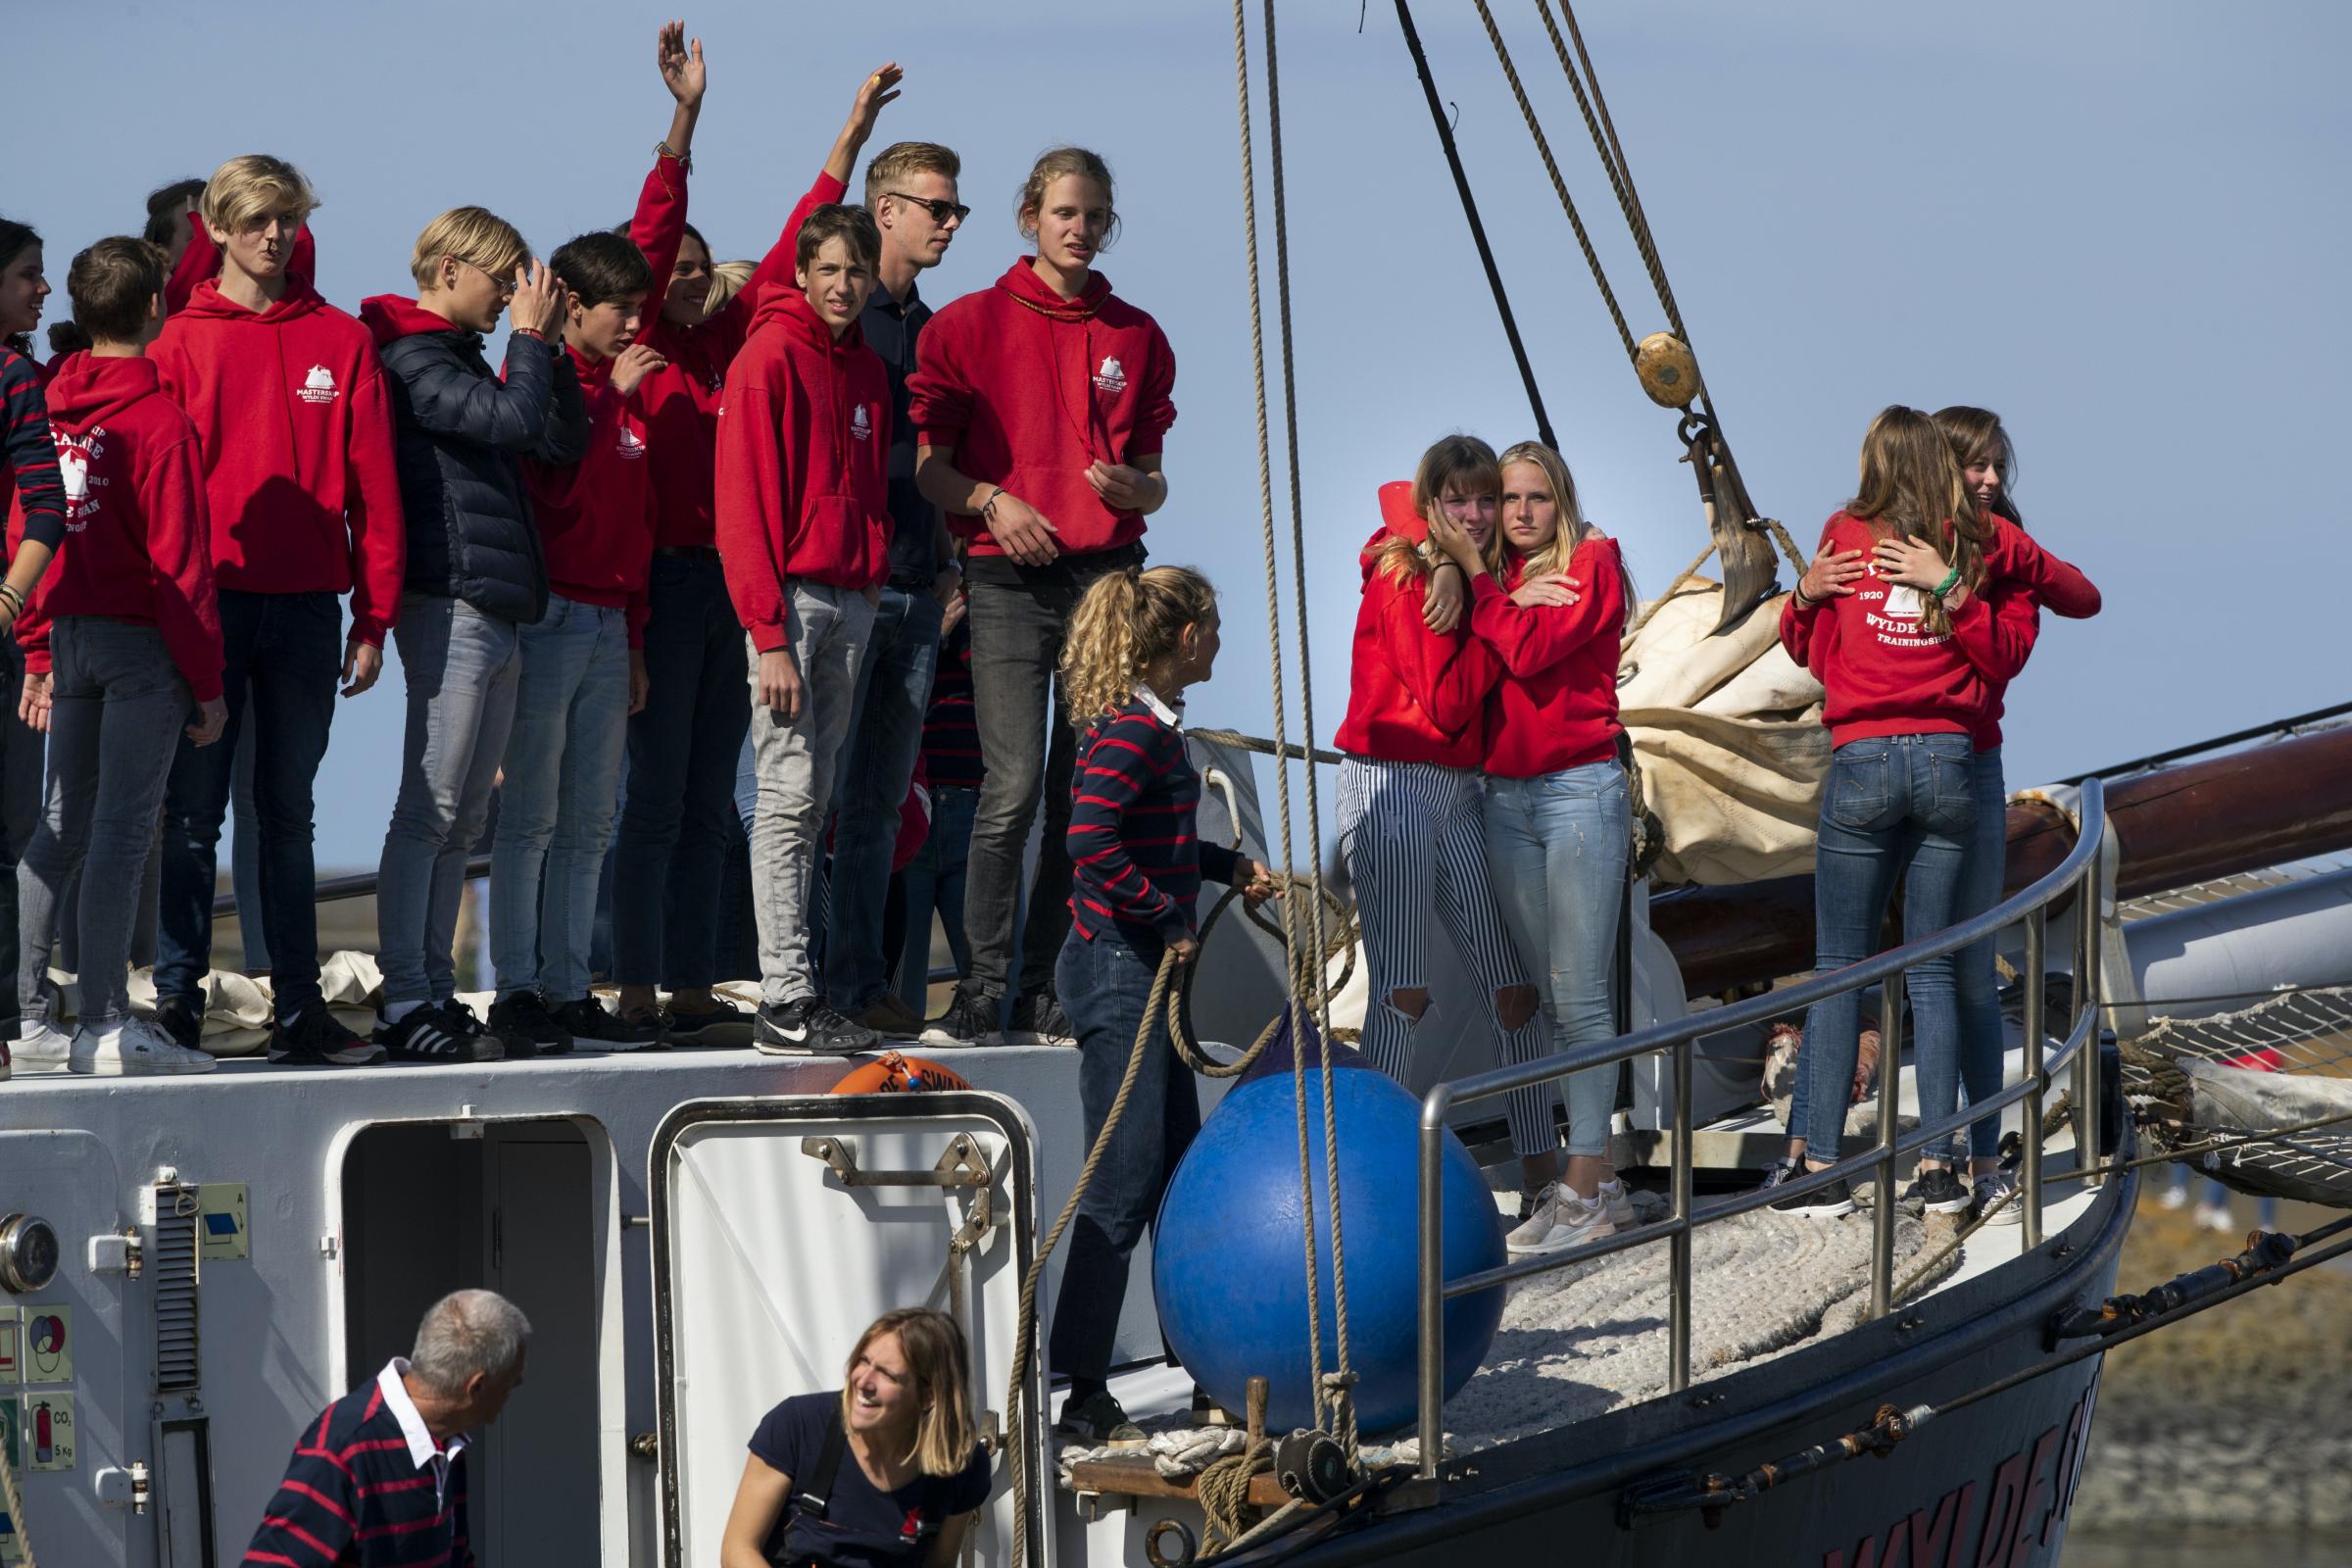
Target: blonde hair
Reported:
point(1461, 461)
point(937, 1355)
point(901, 158)
point(1912, 486)
point(1128, 621)
point(246, 192)
point(1051, 166)
point(727, 282)
point(475, 235)
point(1573, 527)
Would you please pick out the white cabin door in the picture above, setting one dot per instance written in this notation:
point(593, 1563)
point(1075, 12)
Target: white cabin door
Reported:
point(782, 1227)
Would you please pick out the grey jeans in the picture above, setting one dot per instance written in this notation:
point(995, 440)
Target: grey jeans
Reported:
point(119, 706)
point(462, 667)
point(794, 763)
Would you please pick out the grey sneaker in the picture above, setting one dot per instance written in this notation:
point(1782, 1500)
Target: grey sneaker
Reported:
point(1098, 1422)
point(1620, 1203)
point(1038, 1020)
point(1991, 1188)
point(970, 1020)
point(1560, 1220)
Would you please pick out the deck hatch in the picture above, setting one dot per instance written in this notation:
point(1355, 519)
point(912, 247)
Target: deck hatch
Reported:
point(178, 1362)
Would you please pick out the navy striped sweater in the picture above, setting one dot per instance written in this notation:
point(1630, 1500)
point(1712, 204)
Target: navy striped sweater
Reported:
point(355, 1496)
point(1135, 856)
point(29, 470)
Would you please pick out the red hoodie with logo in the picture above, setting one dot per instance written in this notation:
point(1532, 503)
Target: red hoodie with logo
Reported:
point(803, 459)
point(680, 402)
point(1556, 706)
point(1413, 695)
point(296, 424)
point(1031, 390)
point(1885, 673)
point(597, 516)
point(138, 544)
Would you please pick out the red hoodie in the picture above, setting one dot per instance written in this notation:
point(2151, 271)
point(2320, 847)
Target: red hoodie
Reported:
point(1556, 706)
point(137, 540)
point(296, 425)
point(596, 515)
point(680, 401)
point(1884, 674)
point(1031, 389)
point(1413, 695)
point(802, 458)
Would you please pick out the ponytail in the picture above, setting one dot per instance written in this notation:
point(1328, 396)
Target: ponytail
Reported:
point(1128, 621)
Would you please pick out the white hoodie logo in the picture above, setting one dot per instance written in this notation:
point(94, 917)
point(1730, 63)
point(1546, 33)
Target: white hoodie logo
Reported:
point(1111, 378)
point(859, 425)
point(318, 386)
point(75, 454)
point(631, 444)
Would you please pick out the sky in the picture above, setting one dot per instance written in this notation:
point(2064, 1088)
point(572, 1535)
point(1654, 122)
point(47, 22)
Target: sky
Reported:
point(2120, 225)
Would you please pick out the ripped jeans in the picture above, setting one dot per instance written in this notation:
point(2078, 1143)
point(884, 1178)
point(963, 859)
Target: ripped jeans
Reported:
point(1414, 840)
point(1556, 847)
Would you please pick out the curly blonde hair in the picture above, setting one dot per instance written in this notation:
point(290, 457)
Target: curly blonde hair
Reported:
point(1128, 621)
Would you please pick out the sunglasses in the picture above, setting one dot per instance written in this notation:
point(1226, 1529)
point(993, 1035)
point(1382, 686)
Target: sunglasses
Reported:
point(940, 210)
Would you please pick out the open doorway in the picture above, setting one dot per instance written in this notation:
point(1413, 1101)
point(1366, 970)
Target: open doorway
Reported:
point(430, 1207)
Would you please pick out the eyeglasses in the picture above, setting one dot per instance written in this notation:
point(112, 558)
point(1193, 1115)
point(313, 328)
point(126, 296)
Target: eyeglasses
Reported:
point(940, 210)
point(504, 285)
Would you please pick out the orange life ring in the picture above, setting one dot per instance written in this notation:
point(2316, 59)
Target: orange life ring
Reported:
point(893, 1073)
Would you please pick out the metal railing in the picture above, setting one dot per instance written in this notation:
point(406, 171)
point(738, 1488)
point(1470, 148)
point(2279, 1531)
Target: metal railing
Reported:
point(2088, 868)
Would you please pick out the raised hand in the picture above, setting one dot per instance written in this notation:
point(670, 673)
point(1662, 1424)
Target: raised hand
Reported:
point(633, 364)
point(1450, 537)
point(1831, 570)
point(682, 64)
point(540, 300)
point(875, 91)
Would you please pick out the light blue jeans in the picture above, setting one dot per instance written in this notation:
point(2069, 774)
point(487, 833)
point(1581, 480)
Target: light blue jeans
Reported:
point(1979, 999)
point(1897, 805)
point(557, 807)
point(462, 667)
point(1556, 849)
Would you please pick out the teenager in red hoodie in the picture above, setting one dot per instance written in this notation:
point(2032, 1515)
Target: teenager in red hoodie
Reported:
point(132, 643)
point(803, 534)
point(1041, 407)
point(1559, 813)
point(1412, 817)
point(686, 742)
point(1895, 618)
point(295, 424)
point(1987, 462)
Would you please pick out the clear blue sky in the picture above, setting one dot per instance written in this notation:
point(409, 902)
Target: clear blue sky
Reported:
point(2123, 226)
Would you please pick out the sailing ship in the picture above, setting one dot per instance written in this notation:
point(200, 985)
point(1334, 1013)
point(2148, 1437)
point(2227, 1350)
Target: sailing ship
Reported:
point(189, 1270)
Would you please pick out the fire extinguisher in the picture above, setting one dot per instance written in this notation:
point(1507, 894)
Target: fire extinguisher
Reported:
point(41, 1449)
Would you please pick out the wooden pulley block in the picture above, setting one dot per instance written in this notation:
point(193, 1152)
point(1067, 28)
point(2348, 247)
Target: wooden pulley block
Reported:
point(1668, 370)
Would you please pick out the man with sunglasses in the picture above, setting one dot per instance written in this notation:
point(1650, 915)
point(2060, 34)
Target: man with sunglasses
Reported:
point(911, 190)
point(476, 575)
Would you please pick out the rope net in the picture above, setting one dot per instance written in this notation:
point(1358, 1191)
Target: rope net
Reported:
point(2260, 1098)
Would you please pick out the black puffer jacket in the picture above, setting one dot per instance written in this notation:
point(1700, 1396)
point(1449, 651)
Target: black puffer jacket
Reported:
point(462, 434)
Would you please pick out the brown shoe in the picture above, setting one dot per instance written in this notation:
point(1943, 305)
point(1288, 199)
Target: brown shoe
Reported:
point(890, 1018)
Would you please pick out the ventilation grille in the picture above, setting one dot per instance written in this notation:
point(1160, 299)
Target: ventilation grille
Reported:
point(178, 1363)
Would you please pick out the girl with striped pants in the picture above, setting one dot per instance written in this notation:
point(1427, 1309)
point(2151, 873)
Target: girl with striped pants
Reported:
point(1558, 813)
point(1411, 819)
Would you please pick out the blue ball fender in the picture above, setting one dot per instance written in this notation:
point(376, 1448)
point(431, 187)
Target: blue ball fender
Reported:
point(1229, 1263)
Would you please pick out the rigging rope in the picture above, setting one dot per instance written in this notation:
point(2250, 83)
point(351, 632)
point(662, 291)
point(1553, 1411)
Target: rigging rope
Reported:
point(1266, 489)
point(1342, 1376)
point(16, 1508)
point(1559, 187)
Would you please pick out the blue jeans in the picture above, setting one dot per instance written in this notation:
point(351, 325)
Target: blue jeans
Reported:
point(684, 747)
point(1104, 986)
point(20, 749)
point(283, 656)
point(933, 882)
point(555, 810)
point(118, 709)
point(1556, 849)
point(1979, 999)
point(1895, 805)
point(877, 764)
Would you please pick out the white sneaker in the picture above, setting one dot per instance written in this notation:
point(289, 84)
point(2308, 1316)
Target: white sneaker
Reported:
point(1990, 1189)
point(133, 1050)
point(2173, 1197)
point(1620, 1205)
point(43, 1044)
point(1560, 1220)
